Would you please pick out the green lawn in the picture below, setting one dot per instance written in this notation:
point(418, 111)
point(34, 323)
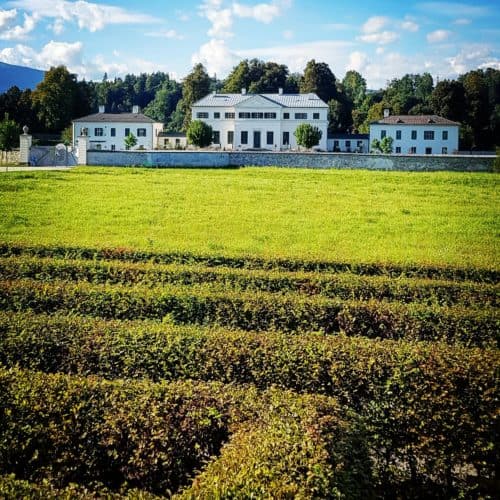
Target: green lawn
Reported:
point(355, 216)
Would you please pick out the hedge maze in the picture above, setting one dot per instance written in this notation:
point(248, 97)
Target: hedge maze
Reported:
point(138, 375)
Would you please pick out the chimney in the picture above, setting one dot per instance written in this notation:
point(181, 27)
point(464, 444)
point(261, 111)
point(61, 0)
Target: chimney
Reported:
point(386, 112)
point(135, 109)
point(243, 91)
point(101, 108)
point(280, 91)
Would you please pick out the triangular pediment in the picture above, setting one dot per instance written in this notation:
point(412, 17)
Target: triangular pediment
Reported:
point(257, 101)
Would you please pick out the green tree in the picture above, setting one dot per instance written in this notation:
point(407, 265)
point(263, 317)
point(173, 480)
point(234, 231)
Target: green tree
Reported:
point(448, 100)
point(339, 114)
point(199, 133)
point(130, 141)
point(307, 135)
point(195, 86)
point(386, 145)
point(55, 99)
point(9, 134)
point(67, 135)
point(375, 146)
point(164, 102)
point(354, 86)
point(319, 79)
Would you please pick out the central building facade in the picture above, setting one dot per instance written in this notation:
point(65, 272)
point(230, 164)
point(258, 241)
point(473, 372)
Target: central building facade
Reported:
point(261, 121)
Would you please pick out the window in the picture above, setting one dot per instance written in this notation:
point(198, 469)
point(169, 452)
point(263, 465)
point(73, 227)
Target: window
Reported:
point(336, 146)
point(286, 138)
point(127, 132)
point(257, 115)
point(270, 115)
point(113, 132)
point(398, 135)
point(286, 116)
point(413, 150)
point(202, 114)
point(398, 149)
point(230, 136)
point(113, 147)
point(216, 137)
point(244, 137)
point(428, 135)
point(360, 144)
point(301, 116)
point(383, 133)
point(166, 142)
point(229, 116)
point(445, 135)
point(99, 132)
point(428, 151)
point(141, 132)
point(347, 144)
point(315, 116)
point(444, 151)
point(216, 115)
point(98, 147)
point(244, 115)
point(177, 142)
point(270, 137)
point(413, 135)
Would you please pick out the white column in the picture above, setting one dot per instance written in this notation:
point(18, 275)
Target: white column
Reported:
point(25, 141)
point(83, 145)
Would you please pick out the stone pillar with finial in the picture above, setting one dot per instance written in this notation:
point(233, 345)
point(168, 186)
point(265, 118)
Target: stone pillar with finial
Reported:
point(25, 141)
point(82, 147)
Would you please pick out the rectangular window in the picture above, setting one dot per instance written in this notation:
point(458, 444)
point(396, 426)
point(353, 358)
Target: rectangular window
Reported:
point(113, 147)
point(383, 133)
point(177, 142)
point(201, 114)
point(413, 135)
point(286, 116)
point(445, 135)
point(398, 149)
point(166, 142)
point(444, 151)
point(271, 116)
point(336, 146)
point(270, 137)
point(98, 132)
point(216, 115)
point(315, 116)
point(127, 132)
point(360, 144)
point(244, 137)
point(428, 151)
point(216, 137)
point(413, 150)
point(257, 116)
point(398, 135)
point(229, 116)
point(428, 135)
point(230, 136)
point(286, 138)
point(301, 116)
point(244, 115)
point(141, 132)
point(113, 132)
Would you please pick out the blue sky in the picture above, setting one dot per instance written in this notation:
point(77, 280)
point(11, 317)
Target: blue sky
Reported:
point(380, 39)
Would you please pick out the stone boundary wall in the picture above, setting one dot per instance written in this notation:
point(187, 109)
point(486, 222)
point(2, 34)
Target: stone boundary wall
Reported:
point(9, 157)
point(221, 159)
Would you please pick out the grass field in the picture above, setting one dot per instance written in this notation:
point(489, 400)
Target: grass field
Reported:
point(353, 216)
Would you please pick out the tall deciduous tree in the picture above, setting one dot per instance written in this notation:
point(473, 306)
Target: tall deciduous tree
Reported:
point(165, 101)
point(307, 135)
point(195, 86)
point(319, 79)
point(448, 100)
point(9, 133)
point(354, 86)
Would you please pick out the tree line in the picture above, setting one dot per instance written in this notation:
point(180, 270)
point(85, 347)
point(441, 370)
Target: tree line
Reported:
point(473, 99)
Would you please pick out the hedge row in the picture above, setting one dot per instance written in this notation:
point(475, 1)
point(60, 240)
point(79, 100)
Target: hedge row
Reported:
point(344, 285)
point(248, 262)
point(255, 311)
point(153, 436)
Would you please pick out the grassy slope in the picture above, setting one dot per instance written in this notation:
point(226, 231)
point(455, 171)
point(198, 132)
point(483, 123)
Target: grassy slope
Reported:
point(358, 216)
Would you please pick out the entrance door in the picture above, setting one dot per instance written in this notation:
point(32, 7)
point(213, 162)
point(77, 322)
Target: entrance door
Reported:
point(256, 139)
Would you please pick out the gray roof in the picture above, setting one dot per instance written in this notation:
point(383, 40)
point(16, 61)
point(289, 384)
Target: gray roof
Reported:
point(415, 120)
point(116, 117)
point(349, 136)
point(283, 100)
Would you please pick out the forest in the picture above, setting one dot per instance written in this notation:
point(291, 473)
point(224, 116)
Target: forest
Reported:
point(473, 99)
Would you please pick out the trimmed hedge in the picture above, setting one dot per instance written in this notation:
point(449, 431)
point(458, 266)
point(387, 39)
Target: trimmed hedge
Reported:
point(152, 436)
point(346, 286)
point(124, 254)
point(254, 311)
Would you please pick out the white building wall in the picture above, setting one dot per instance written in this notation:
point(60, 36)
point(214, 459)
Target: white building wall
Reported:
point(438, 145)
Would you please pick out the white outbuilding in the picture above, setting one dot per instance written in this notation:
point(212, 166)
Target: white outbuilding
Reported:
point(417, 134)
point(261, 121)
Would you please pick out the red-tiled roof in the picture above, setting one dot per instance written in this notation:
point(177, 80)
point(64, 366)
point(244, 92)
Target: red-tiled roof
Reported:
point(415, 120)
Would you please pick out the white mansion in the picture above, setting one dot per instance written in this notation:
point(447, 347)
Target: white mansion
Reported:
point(261, 121)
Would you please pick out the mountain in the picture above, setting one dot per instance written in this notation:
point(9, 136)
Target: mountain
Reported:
point(21, 76)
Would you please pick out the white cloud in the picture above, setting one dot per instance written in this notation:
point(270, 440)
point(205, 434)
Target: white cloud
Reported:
point(262, 12)
point(182, 16)
point(382, 38)
point(438, 36)
point(216, 57)
point(22, 31)
point(6, 16)
point(170, 34)
point(87, 15)
point(380, 50)
point(375, 24)
point(472, 57)
point(357, 61)
point(221, 19)
point(462, 21)
point(57, 26)
point(410, 26)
